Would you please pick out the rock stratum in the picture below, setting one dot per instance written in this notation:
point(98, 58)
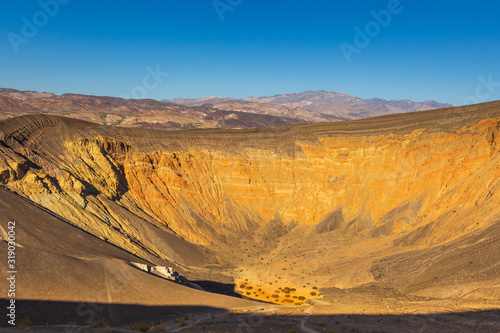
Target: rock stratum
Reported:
point(408, 203)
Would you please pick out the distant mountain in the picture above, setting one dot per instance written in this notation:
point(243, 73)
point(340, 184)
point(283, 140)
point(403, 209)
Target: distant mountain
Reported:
point(201, 101)
point(149, 113)
point(12, 106)
point(340, 105)
point(276, 110)
point(408, 105)
point(23, 95)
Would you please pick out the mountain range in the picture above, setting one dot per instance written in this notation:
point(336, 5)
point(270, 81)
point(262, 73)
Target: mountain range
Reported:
point(209, 112)
point(341, 105)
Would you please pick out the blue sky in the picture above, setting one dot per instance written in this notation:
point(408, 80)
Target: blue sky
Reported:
point(429, 49)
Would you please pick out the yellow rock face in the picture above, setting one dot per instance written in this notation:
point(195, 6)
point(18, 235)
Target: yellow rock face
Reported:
point(200, 189)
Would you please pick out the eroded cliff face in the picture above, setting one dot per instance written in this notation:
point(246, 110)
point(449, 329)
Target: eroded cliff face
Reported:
point(394, 182)
point(425, 183)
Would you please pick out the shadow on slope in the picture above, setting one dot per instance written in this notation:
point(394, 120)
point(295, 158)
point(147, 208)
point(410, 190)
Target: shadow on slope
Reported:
point(218, 287)
point(88, 317)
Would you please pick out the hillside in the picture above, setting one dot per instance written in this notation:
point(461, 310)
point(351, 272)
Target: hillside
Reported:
point(66, 275)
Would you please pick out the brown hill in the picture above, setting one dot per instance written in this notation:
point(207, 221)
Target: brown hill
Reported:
point(396, 214)
point(10, 107)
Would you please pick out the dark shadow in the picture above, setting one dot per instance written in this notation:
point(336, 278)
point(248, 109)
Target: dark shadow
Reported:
point(65, 313)
point(218, 288)
point(223, 289)
point(206, 319)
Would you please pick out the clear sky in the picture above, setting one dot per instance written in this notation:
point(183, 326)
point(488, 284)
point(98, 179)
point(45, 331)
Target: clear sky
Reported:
point(442, 50)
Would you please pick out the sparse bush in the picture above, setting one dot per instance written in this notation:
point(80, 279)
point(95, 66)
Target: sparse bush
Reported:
point(143, 327)
point(100, 322)
point(158, 329)
point(313, 293)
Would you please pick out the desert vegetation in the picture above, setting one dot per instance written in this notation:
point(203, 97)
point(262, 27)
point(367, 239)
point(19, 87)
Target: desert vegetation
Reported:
point(278, 293)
